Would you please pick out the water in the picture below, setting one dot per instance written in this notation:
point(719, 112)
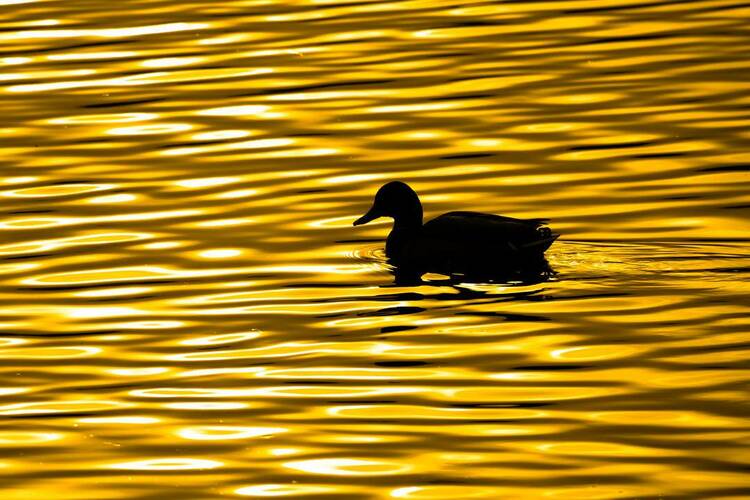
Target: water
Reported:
point(187, 311)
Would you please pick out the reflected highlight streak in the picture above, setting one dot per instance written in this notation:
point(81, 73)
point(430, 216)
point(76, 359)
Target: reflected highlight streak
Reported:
point(188, 312)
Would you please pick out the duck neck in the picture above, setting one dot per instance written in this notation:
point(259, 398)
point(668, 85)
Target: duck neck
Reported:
point(405, 229)
point(409, 218)
point(407, 224)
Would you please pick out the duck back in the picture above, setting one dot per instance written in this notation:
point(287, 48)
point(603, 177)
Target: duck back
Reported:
point(488, 230)
point(472, 243)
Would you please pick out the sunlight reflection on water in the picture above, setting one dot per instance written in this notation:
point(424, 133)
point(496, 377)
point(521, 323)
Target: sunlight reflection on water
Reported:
point(189, 312)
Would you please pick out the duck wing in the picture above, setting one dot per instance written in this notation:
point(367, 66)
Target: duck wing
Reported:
point(477, 228)
point(491, 218)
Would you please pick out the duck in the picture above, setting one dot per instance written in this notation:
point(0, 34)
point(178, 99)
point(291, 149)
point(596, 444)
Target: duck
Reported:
point(456, 242)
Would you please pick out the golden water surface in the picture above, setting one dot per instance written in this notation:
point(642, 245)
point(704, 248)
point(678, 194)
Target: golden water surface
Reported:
point(188, 313)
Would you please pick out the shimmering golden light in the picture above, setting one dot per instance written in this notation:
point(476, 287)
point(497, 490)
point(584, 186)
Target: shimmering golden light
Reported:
point(162, 245)
point(222, 339)
point(62, 407)
point(348, 467)
point(218, 432)
point(120, 420)
point(187, 308)
point(155, 128)
point(113, 198)
point(281, 490)
point(105, 33)
point(9, 61)
point(165, 464)
point(25, 438)
point(210, 406)
point(169, 62)
point(218, 135)
point(138, 372)
point(102, 118)
point(206, 182)
point(246, 110)
point(239, 193)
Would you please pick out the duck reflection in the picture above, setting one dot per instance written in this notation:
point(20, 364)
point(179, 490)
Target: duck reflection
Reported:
point(466, 246)
point(478, 271)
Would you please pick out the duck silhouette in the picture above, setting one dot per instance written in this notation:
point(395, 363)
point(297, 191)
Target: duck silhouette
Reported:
point(459, 243)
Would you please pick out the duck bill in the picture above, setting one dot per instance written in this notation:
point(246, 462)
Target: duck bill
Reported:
point(371, 215)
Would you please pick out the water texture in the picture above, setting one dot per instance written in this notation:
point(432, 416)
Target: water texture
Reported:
point(188, 313)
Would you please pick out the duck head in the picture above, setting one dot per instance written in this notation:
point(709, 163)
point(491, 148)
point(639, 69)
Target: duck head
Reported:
point(398, 201)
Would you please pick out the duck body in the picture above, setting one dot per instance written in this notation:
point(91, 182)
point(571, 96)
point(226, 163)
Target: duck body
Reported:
point(457, 242)
point(470, 243)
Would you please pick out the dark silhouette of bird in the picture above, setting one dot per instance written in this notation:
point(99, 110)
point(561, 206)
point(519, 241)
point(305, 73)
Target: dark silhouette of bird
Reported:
point(458, 243)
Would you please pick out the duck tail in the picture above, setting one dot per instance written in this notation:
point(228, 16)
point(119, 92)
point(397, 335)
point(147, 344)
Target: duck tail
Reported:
point(541, 245)
point(537, 222)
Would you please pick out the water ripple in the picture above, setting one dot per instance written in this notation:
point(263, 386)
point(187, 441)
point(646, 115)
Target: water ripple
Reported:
point(189, 312)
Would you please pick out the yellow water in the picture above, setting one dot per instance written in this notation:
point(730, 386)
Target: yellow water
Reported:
point(188, 313)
